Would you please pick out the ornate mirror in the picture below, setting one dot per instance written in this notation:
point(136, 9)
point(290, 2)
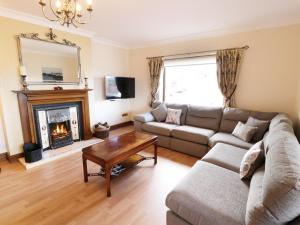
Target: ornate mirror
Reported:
point(48, 61)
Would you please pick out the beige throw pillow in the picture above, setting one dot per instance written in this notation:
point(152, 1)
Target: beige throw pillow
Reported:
point(252, 160)
point(173, 116)
point(244, 132)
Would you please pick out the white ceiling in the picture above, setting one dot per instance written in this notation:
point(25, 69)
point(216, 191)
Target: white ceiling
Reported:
point(144, 22)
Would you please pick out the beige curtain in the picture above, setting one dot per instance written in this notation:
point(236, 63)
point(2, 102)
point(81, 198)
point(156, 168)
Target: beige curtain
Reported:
point(155, 67)
point(228, 63)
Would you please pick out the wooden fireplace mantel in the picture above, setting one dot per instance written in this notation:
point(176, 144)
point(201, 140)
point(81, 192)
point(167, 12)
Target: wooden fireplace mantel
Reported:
point(29, 98)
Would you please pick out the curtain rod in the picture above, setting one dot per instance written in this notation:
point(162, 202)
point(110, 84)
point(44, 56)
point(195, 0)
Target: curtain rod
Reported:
point(203, 52)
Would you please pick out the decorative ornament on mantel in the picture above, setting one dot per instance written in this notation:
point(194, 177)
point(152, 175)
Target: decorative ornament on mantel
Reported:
point(67, 12)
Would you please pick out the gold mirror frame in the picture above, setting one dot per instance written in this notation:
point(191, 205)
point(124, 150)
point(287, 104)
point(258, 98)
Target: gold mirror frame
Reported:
point(51, 38)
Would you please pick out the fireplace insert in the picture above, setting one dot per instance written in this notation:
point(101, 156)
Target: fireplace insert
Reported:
point(58, 125)
point(60, 134)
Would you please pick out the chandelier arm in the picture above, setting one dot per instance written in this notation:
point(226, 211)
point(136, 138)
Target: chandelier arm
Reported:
point(85, 22)
point(75, 10)
point(68, 13)
point(53, 11)
point(47, 17)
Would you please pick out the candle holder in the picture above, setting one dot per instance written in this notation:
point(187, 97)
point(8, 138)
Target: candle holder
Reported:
point(86, 84)
point(24, 82)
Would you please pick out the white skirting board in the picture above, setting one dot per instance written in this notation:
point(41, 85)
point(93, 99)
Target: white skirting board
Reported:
point(51, 155)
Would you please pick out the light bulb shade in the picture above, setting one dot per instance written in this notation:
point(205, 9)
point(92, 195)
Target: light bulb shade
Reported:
point(89, 2)
point(58, 4)
point(78, 7)
point(23, 71)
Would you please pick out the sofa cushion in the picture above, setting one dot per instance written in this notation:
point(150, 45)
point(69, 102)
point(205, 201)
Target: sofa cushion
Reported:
point(256, 212)
point(144, 118)
point(159, 128)
point(194, 134)
point(184, 109)
point(209, 194)
point(204, 117)
point(263, 115)
point(173, 116)
point(281, 117)
point(173, 219)
point(272, 137)
point(244, 132)
point(253, 159)
point(188, 147)
point(281, 184)
point(231, 116)
point(228, 139)
point(160, 112)
point(226, 156)
point(262, 127)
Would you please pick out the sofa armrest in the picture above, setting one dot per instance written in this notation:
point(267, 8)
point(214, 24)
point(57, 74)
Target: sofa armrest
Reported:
point(144, 118)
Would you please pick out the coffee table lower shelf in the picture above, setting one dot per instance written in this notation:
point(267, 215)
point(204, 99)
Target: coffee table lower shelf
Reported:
point(127, 164)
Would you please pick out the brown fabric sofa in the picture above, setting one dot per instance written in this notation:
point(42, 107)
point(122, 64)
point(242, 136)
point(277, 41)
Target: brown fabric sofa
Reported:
point(201, 128)
point(212, 193)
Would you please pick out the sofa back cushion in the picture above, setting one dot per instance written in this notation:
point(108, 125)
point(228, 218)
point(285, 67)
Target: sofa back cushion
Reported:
point(184, 109)
point(281, 184)
point(281, 118)
point(256, 213)
point(231, 116)
point(204, 117)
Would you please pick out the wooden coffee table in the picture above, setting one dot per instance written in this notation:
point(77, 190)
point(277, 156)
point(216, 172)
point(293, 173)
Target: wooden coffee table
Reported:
point(115, 150)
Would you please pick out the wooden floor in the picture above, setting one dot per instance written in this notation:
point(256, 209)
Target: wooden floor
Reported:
point(56, 194)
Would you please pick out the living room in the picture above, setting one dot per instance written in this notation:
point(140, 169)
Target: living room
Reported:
point(120, 40)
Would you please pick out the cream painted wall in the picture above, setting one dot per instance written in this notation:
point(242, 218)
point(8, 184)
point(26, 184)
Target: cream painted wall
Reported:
point(3, 148)
point(298, 104)
point(9, 76)
point(268, 81)
point(108, 60)
point(269, 73)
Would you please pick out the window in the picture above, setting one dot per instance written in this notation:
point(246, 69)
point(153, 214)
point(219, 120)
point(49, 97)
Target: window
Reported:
point(191, 81)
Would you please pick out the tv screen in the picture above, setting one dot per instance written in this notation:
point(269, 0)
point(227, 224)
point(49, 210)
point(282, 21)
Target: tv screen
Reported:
point(119, 87)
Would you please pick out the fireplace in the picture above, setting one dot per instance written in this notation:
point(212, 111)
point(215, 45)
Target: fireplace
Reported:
point(58, 125)
point(59, 122)
point(54, 118)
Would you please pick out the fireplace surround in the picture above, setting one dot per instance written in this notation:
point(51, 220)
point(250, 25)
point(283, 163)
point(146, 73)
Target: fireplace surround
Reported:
point(54, 118)
point(58, 125)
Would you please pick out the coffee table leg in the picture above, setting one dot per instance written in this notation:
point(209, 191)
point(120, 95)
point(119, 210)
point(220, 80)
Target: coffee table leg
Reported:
point(155, 153)
point(85, 175)
point(108, 179)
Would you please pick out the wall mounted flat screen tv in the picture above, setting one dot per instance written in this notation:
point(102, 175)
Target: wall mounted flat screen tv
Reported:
point(119, 87)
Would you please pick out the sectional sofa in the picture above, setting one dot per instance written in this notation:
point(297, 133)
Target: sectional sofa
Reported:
point(201, 128)
point(212, 193)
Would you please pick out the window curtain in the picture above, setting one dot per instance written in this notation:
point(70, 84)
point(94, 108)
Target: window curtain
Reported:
point(155, 67)
point(228, 63)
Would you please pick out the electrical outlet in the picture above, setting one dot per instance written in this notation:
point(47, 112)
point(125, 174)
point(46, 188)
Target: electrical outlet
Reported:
point(124, 114)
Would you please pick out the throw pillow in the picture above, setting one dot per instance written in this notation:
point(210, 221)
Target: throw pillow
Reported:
point(173, 116)
point(262, 127)
point(244, 131)
point(160, 112)
point(252, 160)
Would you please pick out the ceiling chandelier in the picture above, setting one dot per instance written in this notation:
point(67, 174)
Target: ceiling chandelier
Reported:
point(67, 12)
